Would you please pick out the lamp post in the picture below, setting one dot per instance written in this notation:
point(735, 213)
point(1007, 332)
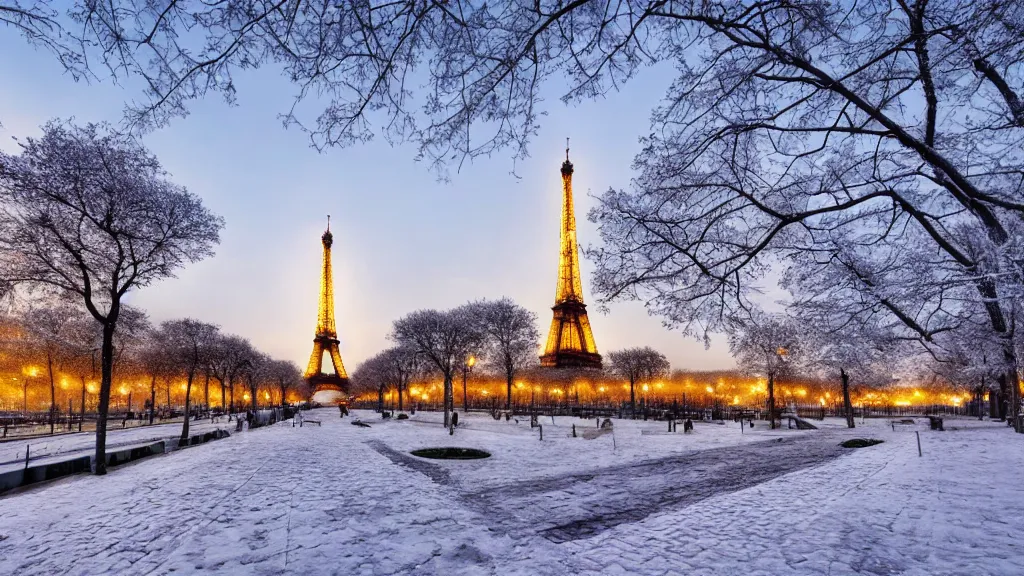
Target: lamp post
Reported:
point(466, 369)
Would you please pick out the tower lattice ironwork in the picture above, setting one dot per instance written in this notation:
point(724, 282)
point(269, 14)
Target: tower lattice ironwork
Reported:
point(326, 339)
point(570, 342)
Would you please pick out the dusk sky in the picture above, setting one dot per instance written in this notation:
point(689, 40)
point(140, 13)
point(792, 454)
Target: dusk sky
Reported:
point(403, 240)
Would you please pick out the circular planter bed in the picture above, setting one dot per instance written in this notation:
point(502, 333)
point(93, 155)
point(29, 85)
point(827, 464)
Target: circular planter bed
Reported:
point(860, 443)
point(451, 453)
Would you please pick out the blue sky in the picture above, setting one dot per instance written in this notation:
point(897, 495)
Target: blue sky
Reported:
point(403, 241)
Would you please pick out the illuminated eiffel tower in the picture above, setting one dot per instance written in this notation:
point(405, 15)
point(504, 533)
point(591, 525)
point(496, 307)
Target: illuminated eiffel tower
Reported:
point(570, 342)
point(326, 339)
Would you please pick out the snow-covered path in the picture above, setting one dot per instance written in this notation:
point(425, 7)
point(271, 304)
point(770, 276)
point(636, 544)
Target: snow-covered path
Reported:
point(63, 446)
point(581, 505)
point(877, 511)
point(340, 499)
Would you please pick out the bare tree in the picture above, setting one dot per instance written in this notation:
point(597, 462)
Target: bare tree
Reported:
point(255, 371)
point(638, 365)
point(444, 339)
point(44, 26)
point(49, 330)
point(82, 343)
point(369, 376)
point(510, 338)
point(229, 358)
point(286, 376)
point(91, 214)
point(399, 365)
point(189, 343)
point(158, 362)
point(766, 344)
point(846, 352)
point(857, 143)
point(858, 135)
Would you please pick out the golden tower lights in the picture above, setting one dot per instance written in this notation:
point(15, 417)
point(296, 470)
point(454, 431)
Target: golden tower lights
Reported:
point(326, 338)
point(570, 341)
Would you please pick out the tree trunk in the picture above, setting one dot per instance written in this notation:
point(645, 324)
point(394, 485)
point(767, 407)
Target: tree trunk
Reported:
point(980, 398)
point(400, 387)
point(380, 399)
point(465, 393)
point(508, 389)
point(206, 391)
point(231, 389)
point(53, 389)
point(152, 399)
point(771, 401)
point(632, 396)
point(449, 398)
point(106, 377)
point(188, 406)
point(1003, 389)
point(847, 407)
point(1014, 382)
point(223, 404)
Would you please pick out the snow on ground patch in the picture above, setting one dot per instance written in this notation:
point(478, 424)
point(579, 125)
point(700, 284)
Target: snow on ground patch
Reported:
point(63, 446)
point(341, 499)
point(517, 451)
point(878, 510)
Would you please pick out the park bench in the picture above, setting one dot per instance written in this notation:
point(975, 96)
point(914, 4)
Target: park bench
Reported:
point(801, 424)
point(902, 422)
point(305, 421)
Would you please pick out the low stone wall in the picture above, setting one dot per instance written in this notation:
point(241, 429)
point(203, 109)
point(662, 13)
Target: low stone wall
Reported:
point(54, 470)
point(177, 444)
point(119, 457)
point(42, 472)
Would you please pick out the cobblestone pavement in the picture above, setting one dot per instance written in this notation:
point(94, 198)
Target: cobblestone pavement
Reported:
point(281, 500)
point(576, 506)
point(64, 446)
point(348, 500)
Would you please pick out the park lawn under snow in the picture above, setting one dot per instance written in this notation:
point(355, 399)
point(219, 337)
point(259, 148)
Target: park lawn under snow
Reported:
point(341, 499)
point(516, 449)
point(68, 445)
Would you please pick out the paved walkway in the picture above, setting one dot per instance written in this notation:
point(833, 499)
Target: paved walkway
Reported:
point(340, 500)
point(63, 446)
point(575, 506)
point(288, 500)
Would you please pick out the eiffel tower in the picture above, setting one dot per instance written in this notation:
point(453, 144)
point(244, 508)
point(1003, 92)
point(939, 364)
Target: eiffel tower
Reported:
point(326, 339)
point(570, 341)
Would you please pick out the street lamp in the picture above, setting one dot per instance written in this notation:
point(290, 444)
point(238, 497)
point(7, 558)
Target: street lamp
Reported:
point(466, 369)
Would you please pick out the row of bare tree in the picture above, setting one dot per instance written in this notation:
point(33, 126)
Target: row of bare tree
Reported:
point(866, 154)
point(88, 215)
point(499, 334)
point(63, 340)
point(502, 336)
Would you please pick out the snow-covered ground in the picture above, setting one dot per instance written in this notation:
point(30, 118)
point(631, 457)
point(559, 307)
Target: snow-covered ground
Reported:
point(62, 446)
point(341, 499)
